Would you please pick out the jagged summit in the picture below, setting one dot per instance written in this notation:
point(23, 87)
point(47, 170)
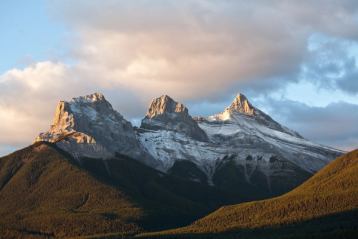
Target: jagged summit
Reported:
point(241, 111)
point(95, 97)
point(68, 113)
point(165, 105)
point(89, 106)
point(164, 113)
point(242, 105)
point(88, 126)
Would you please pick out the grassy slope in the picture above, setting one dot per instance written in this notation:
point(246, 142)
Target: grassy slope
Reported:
point(41, 194)
point(331, 193)
point(44, 193)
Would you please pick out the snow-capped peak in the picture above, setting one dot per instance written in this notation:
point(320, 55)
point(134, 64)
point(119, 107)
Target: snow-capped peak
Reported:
point(241, 132)
point(88, 126)
point(240, 105)
point(241, 111)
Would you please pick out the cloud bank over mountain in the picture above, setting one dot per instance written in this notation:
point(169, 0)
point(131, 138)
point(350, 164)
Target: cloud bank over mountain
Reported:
point(195, 51)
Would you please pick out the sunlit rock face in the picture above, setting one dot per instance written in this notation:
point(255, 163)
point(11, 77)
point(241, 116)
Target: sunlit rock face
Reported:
point(242, 105)
point(241, 108)
point(88, 126)
point(166, 114)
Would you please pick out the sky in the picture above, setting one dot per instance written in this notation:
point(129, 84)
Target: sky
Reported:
point(295, 60)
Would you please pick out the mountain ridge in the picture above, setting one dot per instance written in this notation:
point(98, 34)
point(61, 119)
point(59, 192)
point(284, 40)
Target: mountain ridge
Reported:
point(331, 192)
point(157, 176)
point(242, 106)
point(257, 145)
point(259, 150)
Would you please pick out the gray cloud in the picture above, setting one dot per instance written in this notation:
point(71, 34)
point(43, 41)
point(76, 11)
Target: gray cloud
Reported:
point(334, 125)
point(176, 47)
point(330, 65)
point(349, 80)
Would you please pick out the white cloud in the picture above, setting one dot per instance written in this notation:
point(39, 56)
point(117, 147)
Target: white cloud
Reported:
point(28, 97)
point(192, 50)
point(195, 49)
point(27, 100)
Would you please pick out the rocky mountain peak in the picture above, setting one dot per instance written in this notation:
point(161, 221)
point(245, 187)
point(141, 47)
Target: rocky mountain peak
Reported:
point(164, 113)
point(95, 97)
point(242, 105)
point(241, 110)
point(90, 106)
point(88, 126)
point(165, 105)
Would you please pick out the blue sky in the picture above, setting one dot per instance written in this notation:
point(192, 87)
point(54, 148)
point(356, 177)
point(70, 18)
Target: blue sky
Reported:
point(28, 33)
point(289, 58)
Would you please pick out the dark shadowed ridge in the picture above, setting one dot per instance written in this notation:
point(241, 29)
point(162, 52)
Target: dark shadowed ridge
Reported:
point(44, 192)
point(325, 206)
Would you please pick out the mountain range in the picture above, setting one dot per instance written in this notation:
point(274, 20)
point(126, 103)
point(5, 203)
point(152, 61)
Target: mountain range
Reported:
point(241, 147)
point(93, 173)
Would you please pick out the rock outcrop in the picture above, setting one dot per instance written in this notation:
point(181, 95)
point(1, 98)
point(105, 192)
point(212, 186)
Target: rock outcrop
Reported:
point(88, 126)
point(166, 114)
point(242, 105)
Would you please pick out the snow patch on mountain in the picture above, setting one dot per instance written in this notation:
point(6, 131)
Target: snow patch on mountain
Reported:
point(240, 132)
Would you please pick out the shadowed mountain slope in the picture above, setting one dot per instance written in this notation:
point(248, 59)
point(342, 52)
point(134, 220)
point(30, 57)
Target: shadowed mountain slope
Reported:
point(44, 192)
point(329, 197)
